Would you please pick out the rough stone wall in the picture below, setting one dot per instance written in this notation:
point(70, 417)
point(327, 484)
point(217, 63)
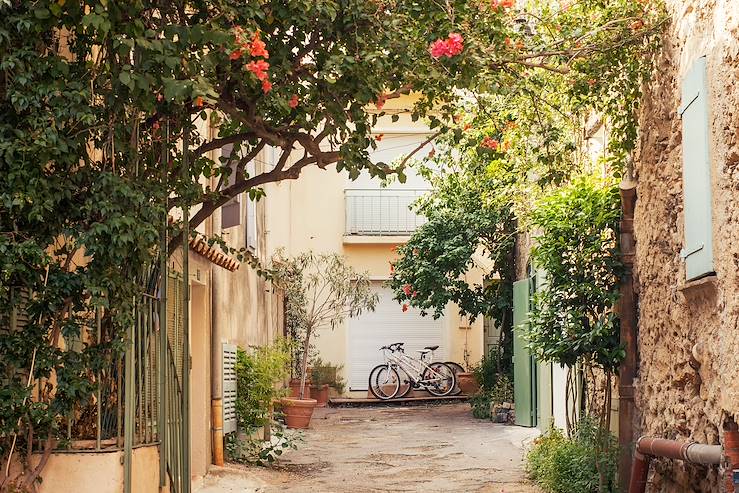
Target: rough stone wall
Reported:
point(679, 319)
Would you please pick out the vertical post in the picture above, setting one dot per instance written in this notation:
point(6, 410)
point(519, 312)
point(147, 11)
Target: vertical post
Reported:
point(163, 279)
point(98, 392)
point(627, 314)
point(186, 312)
point(129, 404)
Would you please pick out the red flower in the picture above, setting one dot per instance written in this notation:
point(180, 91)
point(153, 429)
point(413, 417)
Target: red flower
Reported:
point(392, 269)
point(405, 307)
point(414, 294)
point(489, 143)
point(199, 102)
point(293, 103)
point(266, 86)
point(452, 46)
point(379, 137)
point(235, 55)
point(407, 289)
point(258, 68)
point(258, 46)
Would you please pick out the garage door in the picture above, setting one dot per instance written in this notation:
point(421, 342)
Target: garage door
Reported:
point(388, 324)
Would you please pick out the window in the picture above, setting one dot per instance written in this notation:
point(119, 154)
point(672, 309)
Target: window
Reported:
point(698, 245)
point(231, 210)
point(251, 215)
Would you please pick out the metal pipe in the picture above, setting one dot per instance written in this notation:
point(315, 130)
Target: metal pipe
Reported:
point(216, 382)
point(186, 315)
point(627, 311)
point(648, 447)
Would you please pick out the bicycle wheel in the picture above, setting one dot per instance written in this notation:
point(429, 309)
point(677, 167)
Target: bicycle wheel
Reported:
point(384, 382)
point(441, 378)
point(406, 383)
point(457, 369)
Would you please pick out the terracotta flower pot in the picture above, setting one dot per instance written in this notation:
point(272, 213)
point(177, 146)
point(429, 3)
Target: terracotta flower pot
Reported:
point(320, 394)
point(467, 383)
point(295, 388)
point(298, 411)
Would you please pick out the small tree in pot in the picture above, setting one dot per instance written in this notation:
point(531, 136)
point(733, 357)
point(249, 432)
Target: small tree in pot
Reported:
point(321, 290)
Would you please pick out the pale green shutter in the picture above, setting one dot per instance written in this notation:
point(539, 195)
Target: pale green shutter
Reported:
point(523, 376)
point(698, 246)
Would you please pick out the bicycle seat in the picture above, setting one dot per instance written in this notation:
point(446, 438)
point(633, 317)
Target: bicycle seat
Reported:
point(432, 348)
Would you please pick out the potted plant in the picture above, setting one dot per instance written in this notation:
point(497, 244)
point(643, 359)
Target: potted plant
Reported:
point(321, 290)
point(324, 376)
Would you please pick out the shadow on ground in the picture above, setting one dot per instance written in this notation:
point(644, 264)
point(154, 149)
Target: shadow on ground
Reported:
point(438, 448)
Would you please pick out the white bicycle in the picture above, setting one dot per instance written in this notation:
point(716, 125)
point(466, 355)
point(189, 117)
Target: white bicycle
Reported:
point(400, 374)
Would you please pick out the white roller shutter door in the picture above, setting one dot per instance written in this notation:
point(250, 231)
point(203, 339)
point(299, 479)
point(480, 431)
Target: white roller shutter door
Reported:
point(388, 324)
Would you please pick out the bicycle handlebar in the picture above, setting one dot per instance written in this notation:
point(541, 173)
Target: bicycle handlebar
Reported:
point(396, 346)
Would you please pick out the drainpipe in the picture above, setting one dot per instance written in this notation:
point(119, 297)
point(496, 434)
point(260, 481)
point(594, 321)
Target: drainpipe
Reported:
point(216, 383)
point(648, 447)
point(627, 313)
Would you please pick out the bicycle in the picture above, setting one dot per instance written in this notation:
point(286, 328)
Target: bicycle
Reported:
point(401, 373)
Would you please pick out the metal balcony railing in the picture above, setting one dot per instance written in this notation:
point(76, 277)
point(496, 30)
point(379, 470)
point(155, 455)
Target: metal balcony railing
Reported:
point(383, 212)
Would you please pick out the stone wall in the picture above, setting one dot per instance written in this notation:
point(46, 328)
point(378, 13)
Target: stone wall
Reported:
point(678, 320)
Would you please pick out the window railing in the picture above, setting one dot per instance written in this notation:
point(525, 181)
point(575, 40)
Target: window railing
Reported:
point(383, 212)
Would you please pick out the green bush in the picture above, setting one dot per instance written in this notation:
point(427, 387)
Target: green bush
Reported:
point(257, 373)
point(326, 373)
point(501, 391)
point(585, 463)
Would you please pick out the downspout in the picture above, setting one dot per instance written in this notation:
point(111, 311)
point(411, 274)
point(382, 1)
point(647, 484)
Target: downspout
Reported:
point(216, 382)
point(627, 310)
point(649, 447)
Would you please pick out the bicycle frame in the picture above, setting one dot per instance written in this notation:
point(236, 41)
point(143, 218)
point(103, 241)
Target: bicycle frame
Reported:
point(414, 368)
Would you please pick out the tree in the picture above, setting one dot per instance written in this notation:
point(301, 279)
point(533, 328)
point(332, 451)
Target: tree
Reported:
point(321, 291)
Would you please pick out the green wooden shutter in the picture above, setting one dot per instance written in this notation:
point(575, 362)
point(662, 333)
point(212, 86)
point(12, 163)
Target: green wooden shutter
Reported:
point(523, 390)
point(698, 246)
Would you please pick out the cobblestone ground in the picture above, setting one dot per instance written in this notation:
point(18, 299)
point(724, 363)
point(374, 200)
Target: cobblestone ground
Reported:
point(392, 449)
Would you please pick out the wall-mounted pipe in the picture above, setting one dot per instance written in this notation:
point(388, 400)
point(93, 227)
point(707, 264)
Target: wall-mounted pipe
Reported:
point(648, 447)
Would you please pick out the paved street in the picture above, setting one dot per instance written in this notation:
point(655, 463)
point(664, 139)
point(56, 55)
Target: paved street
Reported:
point(393, 449)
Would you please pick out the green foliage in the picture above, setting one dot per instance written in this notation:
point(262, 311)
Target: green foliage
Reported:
point(585, 463)
point(258, 371)
point(326, 373)
point(573, 318)
point(491, 366)
point(499, 392)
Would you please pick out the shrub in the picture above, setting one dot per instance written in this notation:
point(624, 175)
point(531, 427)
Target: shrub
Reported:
point(326, 373)
point(258, 371)
point(585, 463)
point(501, 392)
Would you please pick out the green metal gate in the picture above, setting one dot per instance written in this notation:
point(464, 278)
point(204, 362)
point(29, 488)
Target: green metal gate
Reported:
point(524, 365)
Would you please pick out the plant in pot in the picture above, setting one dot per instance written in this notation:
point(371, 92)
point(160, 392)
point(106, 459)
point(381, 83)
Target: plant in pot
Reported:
point(321, 290)
point(323, 376)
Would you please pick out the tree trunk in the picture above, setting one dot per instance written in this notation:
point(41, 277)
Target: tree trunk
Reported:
point(304, 372)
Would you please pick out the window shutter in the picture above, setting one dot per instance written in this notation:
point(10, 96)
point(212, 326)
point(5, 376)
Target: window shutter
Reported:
point(229, 388)
point(251, 215)
point(698, 246)
point(231, 210)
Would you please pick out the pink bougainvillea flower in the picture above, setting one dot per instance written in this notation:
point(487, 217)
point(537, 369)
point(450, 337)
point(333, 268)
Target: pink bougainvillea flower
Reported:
point(266, 86)
point(293, 103)
point(258, 68)
point(405, 307)
point(489, 143)
point(258, 46)
point(455, 42)
point(414, 294)
point(407, 289)
point(452, 46)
